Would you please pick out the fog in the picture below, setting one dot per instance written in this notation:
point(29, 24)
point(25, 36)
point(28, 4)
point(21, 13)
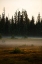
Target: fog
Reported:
point(21, 41)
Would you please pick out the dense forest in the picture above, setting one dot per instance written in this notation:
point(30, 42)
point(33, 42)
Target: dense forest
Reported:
point(20, 25)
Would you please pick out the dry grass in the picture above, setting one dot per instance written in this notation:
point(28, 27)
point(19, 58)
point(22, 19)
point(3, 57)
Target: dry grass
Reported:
point(30, 55)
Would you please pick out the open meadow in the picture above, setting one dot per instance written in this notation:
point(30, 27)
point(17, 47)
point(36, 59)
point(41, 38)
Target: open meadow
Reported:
point(26, 52)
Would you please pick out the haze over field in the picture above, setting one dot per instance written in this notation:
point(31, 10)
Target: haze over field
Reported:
point(21, 41)
point(33, 7)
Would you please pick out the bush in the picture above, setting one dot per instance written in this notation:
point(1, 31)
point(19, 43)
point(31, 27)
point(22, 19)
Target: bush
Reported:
point(0, 36)
point(25, 36)
point(16, 51)
point(12, 36)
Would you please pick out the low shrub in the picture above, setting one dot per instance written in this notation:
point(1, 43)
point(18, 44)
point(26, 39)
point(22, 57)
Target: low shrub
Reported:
point(12, 36)
point(0, 36)
point(16, 51)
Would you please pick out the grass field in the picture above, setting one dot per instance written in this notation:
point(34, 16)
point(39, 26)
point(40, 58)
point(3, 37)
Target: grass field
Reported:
point(21, 55)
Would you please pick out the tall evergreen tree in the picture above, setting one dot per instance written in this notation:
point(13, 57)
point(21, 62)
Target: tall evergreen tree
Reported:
point(2, 24)
point(7, 26)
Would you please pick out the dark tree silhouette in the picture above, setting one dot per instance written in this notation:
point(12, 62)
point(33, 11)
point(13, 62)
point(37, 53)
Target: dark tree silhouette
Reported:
point(12, 26)
point(7, 26)
point(2, 25)
point(20, 25)
point(38, 26)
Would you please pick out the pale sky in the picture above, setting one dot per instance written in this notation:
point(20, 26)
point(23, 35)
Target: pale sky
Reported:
point(33, 7)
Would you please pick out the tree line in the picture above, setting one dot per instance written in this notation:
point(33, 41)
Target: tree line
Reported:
point(20, 25)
